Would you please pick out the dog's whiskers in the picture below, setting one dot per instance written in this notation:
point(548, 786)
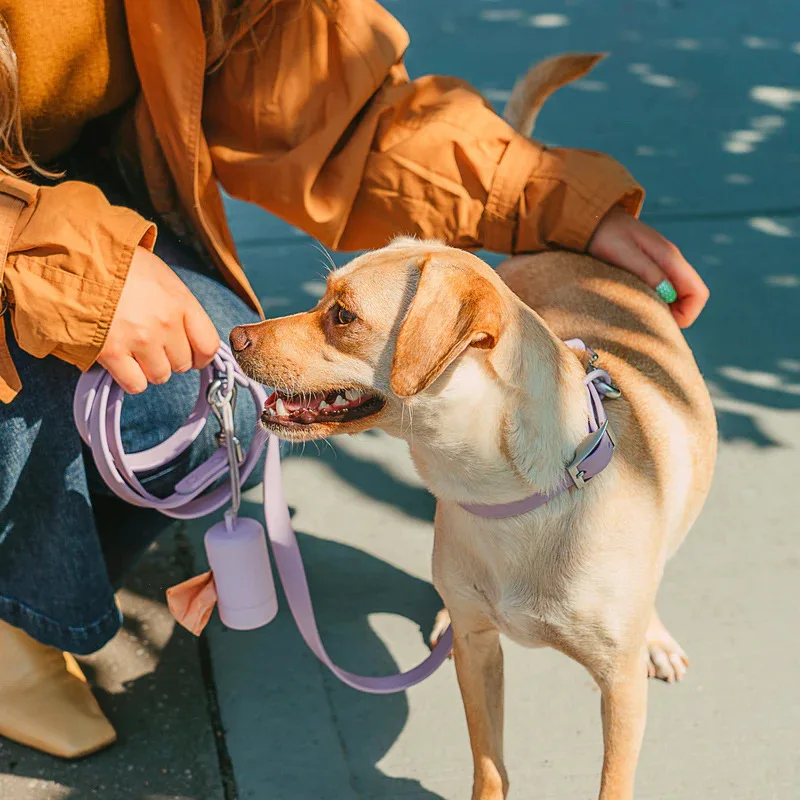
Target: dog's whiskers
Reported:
point(329, 263)
point(403, 408)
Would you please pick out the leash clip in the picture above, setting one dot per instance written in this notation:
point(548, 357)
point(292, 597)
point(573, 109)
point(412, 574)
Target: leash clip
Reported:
point(217, 400)
point(223, 405)
point(608, 389)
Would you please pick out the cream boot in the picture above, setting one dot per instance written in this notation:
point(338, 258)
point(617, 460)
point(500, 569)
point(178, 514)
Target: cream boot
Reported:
point(45, 701)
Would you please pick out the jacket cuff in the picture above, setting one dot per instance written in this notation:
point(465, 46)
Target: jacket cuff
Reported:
point(568, 194)
point(132, 231)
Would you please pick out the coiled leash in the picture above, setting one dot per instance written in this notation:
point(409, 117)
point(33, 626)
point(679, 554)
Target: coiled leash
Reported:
point(240, 581)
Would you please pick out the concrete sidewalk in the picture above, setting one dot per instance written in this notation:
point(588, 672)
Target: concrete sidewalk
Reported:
point(701, 102)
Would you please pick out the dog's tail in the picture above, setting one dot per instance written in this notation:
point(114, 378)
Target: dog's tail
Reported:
point(540, 82)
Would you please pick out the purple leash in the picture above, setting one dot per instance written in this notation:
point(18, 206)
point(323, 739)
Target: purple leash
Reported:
point(290, 567)
point(97, 408)
point(236, 547)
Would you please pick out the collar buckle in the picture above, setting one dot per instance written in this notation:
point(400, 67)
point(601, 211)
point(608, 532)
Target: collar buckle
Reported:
point(585, 449)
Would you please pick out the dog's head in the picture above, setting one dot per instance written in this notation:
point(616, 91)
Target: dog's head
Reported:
point(383, 346)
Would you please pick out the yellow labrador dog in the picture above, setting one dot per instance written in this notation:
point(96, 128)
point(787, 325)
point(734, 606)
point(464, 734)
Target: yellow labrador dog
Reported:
point(551, 527)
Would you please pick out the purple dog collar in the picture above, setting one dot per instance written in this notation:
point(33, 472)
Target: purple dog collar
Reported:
point(592, 456)
point(98, 410)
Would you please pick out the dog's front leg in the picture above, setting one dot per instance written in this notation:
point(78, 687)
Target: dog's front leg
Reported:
point(479, 665)
point(624, 710)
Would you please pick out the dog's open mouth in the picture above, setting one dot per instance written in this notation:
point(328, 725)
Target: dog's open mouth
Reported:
point(298, 410)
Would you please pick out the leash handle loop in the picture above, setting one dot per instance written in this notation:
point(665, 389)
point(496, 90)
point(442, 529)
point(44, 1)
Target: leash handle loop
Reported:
point(97, 409)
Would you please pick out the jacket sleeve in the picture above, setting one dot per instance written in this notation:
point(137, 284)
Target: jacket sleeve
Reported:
point(314, 118)
point(68, 259)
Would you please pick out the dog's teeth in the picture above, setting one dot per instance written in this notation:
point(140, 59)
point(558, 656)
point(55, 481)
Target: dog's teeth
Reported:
point(271, 411)
point(323, 405)
point(339, 401)
point(280, 408)
point(352, 394)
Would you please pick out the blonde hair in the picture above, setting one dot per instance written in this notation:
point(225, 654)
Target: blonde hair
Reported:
point(14, 156)
point(224, 21)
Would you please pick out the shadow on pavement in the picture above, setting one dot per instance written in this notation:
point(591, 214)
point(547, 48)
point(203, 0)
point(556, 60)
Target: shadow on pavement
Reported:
point(374, 481)
point(150, 685)
point(295, 731)
point(348, 586)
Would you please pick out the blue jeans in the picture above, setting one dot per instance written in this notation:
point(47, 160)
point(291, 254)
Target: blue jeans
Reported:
point(65, 541)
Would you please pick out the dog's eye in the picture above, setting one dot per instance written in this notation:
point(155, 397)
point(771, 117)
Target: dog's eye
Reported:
point(343, 316)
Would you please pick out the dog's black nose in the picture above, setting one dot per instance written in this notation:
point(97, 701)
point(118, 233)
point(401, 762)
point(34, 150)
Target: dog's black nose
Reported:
point(239, 339)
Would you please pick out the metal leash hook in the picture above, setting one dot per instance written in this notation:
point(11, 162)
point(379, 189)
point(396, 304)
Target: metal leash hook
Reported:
point(608, 389)
point(223, 406)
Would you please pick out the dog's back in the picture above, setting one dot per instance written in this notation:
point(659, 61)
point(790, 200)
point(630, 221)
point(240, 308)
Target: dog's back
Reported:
point(639, 343)
point(643, 349)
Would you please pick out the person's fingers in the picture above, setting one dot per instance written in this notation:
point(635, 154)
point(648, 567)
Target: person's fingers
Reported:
point(631, 244)
point(179, 352)
point(126, 372)
point(202, 335)
point(686, 310)
point(691, 289)
point(628, 254)
point(155, 364)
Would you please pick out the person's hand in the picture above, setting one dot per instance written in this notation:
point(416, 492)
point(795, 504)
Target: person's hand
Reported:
point(158, 328)
point(623, 240)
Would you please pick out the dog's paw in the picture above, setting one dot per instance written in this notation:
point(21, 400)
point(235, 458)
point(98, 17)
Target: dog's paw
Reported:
point(441, 624)
point(665, 657)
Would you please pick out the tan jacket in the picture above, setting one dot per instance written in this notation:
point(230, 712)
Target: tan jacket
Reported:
point(313, 118)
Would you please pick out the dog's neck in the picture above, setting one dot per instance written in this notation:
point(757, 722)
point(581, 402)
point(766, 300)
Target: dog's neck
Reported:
point(499, 428)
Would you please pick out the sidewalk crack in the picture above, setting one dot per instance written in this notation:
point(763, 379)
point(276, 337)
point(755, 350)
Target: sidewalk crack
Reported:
point(711, 216)
point(185, 559)
point(325, 678)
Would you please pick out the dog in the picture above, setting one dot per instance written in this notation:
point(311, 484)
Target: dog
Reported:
point(472, 368)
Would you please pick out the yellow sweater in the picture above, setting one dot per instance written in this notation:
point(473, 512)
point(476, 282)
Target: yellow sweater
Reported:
point(75, 65)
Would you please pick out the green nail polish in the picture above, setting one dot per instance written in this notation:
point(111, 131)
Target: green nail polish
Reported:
point(666, 291)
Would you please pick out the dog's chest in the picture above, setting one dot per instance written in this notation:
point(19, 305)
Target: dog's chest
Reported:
point(523, 581)
point(528, 617)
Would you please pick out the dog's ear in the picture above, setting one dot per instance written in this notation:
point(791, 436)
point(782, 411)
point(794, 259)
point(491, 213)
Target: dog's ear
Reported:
point(453, 308)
